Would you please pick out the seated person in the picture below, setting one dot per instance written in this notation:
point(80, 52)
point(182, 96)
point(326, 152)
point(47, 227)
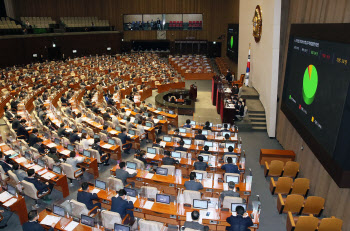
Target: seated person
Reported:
point(16, 122)
point(87, 198)
point(74, 160)
point(225, 128)
point(176, 133)
point(167, 160)
point(53, 154)
point(229, 167)
point(122, 205)
point(239, 222)
point(122, 174)
point(124, 137)
point(193, 184)
point(104, 130)
point(200, 136)
point(40, 186)
point(96, 146)
point(74, 136)
point(200, 165)
point(33, 225)
point(230, 152)
point(22, 131)
point(206, 150)
point(194, 224)
point(128, 124)
point(230, 192)
point(157, 143)
point(227, 139)
point(21, 174)
point(142, 156)
point(207, 126)
point(188, 124)
point(181, 147)
point(5, 166)
point(62, 131)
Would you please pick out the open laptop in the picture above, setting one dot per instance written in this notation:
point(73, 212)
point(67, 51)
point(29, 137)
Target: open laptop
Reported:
point(58, 210)
point(200, 204)
point(187, 141)
point(12, 190)
point(199, 176)
point(161, 198)
point(131, 192)
point(234, 206)
point(27, 155)
point(111, 141)
point(159, 109)
point(100, 184)
point(205, 132)
point(86, 220)
point(41, 163)
point(182, 130)
point(193, 123)
point(162, 171)
point(148, 124)
point(57, 141)
point(205, 158)
point(176, 155)
point(171, 112)
point(131, 132)
point(131, 167)
point(234, 179)
point(117, 128)
point(151, 150)
point(96, 136)
point(70, 147)
point(56, 169)
point(86, 153)
point(167, 138)
point(208, 143)
point(118, 227)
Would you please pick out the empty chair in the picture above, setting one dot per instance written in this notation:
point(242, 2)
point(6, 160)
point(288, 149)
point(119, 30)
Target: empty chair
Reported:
point(293, 203)
point(14, 181)
point(30, 191)
point(110, 218)
point(95, 154)
point(49, 161)
point(145, 225)
point(313, 205)
point(229, 200)
point(331, 223)
point(190, 195)
point(70, 173)
point(303, 223)
point(301, 186)
point(4, 177)
point(139, 164)
point(282, 185)
point(171, 169)
point(80, 208)
point(103, 136)
point(149, 192)
point(275, 168)
point(198, 142)
point(291, 169)
point(115, 184)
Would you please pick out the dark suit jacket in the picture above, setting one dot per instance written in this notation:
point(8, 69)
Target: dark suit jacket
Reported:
point(239, 223)
point(229, 193)
point(120, 206)
point(200, 137)
point(201, 166)
point(97, 148)
point(15, 124)
point(156, 145)
point(123, 137)
point(73, 137)
point(169, 161)
point(33, 226)
point(123, 175)
point(21, 131)
point(61, 132)
point(5, 166)
point(187, 126)
point(33, 139)
point(193, 185)
point(180, 149)
point(86, 198)
point(38, 184)
point(195, 225)
point(230, 168)
point(9, 115)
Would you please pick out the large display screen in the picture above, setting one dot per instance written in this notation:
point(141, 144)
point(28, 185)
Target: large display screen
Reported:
point(232, 42)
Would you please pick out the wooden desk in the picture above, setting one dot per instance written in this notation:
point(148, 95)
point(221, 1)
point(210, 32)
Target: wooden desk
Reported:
point(275, 154)
point(233, 138)
point(166, 87)
point(19, 207)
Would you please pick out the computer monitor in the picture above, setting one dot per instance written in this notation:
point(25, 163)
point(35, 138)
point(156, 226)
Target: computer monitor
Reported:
point(171, 112)
point(162, 171)
point(58, 210)
point(118, 227)
point(176, 154)
point(131, 165)
point(100, 184)
point(87, 153)
point(148, 124)
point(118, 128)
point(125, 117)
point(12, 190)
point(167, 138)
point(208, 143)
point(135, 110)
point(149, 105)
point(210, 124)
point(57, 141)
point(47, 135)
point(234, 160)
point(161, 198)
point(205, 158)
point(199, 176)
point(234, 179)
point(193, 122)
point(230, 144)
point(182, 130)
point(146, 114)
point(27, 155)
point(86, 220)
point(187, 141)
point(151, 150)
point(224, 133)
point(200, 204)
point(159, 109)
point(205, 132)
point(83, 131)
point(111, 141)
point(41, 163)
point(234, 206)
point(131, 132)
point(130, 192)
point(57, 169)
point(97, 119)
point(70, 147)
point(96, 136)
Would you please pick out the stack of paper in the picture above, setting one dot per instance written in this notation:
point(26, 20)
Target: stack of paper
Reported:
point(148, 205)
point(133, 199)
point(208, 184)
point(49, 220)
point(48, 175)
point(71, 226)
point(162, 144)
point(131, 171)
point(28, 165)
point(65, 152)
point(42, 172)
point(95, 190)
point(20, 160)
point(149, 175)
point(107, 146)
point(10, 202)
point(113, 132)
point(10, 152)
point(36, 168)
point(5, 196)
point(51, 145)
point(156, 121)
point(150, 156)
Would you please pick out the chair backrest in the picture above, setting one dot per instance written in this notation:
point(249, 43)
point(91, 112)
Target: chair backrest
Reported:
point(110, 218)
point(291, 169)
point(332, 223)
point(159, 150)
point(103, 136)
point(145, 225)
point(300, 186)
point(3, 174)
point(13, 177)
point(205, 174)
point(306, 223)
point(117, 141)
point(283, 185)
point(78, 208)
point(313, 205)
point(229, 200)
point(115, 183)
point(198, 142)
point(171, 169)
point(189, 195)
point(149, 192)
point(95, 154)
point(231, 174)
point(293, 203)
point(276, 167)
point(65, 141)
point(49, 161)
point(68, 170)
point(183, 154)
point(139, 164)
point(176, 139)
point(29, 190)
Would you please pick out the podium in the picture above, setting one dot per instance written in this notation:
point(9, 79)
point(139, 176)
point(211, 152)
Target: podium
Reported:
point(214, 87)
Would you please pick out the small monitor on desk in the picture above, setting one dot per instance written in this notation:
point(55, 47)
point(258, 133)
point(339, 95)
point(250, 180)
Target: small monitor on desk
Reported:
point(130, 192)
point(100, 184)
point(27, 155)
point(131, 132)
point(70, 147)
point(210, 124)
point(111, 141)
point(200, 204)
point(57, 169)
point(57, 141)
point(41, 163)
point(118, 227)
point(171, 112)
point(159, 109)
point(146, 114)
point(97, 120)
point(193, 122)
point(96, 136)
point(118, 128)
point(149, 105)
point(148, 124)
point(161, 198)
point(151, 150)
point(199, 176)
point(205, 157)
point(182, 130)
point(135, 110)
point(83, 131)
point(230, 144)
point(86, 153)
point(131, 165)
point(12, 190)
point(58, 210)
point(234, 179)
point(234, 206)
point(86, 220)
point(167, 138)
point(125, 117)
point(136, 121)
point(162, 171)
point(160, 117)
point(176, 154)
point(208, 143)
point(187, 141)
point(205, 132)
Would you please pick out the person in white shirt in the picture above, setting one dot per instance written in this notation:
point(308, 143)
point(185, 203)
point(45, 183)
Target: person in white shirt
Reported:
point(84, 141)
point(140, 127)
point(115, 120)
point(79, 119)
point(73, 160)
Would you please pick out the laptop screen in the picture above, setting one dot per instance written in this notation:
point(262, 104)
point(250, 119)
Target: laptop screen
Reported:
point(167, 138)
point(234, 179)
point(27, 155)
point(131, 165)
point(96, 136)
point(131, 132)
point(57, 141)
point(83, 131)
point(161, 198)
point(58, 210)
point(118, 128)
point(182, 130)
point(171, 112)
point(193, 122)
point(205, 158)
point(176, 154)
point(118, 227)
point(111, 141)
point(160, 117)
point(199, 176)
point(200, 204)
point(205, 132)
point(136, 121)
point(86, 220)
point(151, 150)
point(208, 143)
point(87, 153)
point(162, 171)
point(135, 110)
point(234, 206)
point(159, 109)
point(187, 141)
point(100, 184)
point(211, 125)
point(146, 114)
point(229, 144)
point(70, 147)
point(130, 192)
point(56, 169)
point(11, 189)
point(148, 124)
point(41, 163)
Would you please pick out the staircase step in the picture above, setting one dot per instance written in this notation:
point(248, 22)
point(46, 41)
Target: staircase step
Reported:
point(257, 119)
point(258, 124)
point(262, 129)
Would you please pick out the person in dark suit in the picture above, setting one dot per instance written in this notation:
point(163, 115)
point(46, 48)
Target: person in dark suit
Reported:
point(53, 154)
point(64, 100)
point(9, 115)
point(142, 156)
point(230, 152)
point(194, 224)
point(207, 126)
point(167, 160)
point(62, 131)
point(96, 146)
point(124, 137)
point(206, 150)
point(6, 167)
point(16, 123)
point(181, 147)
point(239, 222)
point(74, 136)
point(14, 104)
point(122, 205)
point(33, 139)
point(230, 192)
point(188, 124)
point(22, 133)
point(192, 184)
point(106, 115)
point(200, 136)
point(225, 128)
point(40, 186)
point(228, 76)
point(200, 165)
point(33, 225)
point(157, 143)
point(122, 174)
point(229, 167)
point(87, 198)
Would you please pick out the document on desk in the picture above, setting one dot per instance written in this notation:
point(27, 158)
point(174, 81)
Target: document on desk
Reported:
point(150, 156)
point(28, 165)
point(9, 152)
point(65, 152)
point(123, 121)
point(113, 132)
point(107, 146)
point(48, 176)
point(148, 205)
point(36, 168)
point(225, 186)
point(42, 172)
point(69, 130)
point(29, 128)
point(95, 190)
point(128, 113)
point(20, 160)
point(187, 146)
point(133, 199)
point(207, 183)
point(207, 214)
point(51, 145)
point(162, 144)
point(156, 111)
point(5, 196)
point(71, 226)
point(2, 144)
point(131, 171)
point(10, 202)
point(156, 121)
point(149, 175)
point(49, 220)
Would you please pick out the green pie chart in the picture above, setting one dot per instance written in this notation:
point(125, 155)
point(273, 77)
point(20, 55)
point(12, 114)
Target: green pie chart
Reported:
point(231, 42)
point(310, 82)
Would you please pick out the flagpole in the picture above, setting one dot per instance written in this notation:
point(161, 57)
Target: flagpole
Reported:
point(246, 80)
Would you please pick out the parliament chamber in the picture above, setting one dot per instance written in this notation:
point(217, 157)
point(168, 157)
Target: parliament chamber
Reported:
point(174, 115)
